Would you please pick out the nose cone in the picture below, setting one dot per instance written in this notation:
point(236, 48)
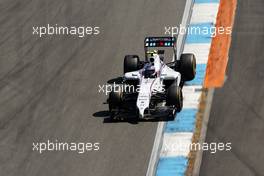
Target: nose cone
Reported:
point(144, 95)
point(143, 102)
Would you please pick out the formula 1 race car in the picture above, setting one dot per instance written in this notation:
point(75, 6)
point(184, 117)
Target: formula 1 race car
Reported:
point(152, 85)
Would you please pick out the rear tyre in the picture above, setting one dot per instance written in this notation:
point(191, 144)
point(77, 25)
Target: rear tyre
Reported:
point(174, 97)
point(131, 63)
point(187, 67)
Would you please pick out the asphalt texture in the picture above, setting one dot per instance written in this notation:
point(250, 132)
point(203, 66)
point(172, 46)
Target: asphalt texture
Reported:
point(49, 85)
point(237, 113)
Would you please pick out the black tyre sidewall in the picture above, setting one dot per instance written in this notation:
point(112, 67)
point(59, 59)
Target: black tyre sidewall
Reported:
point(188, 67)
point(174, 97)
point(115, 99)
point(131, 63)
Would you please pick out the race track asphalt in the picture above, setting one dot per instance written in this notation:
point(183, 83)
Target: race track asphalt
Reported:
point(49, 85)
point(237, 113)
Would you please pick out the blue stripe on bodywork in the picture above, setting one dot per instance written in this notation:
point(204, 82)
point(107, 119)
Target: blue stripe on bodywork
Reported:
point(184, 122)
point(199, 77)
point(172, 166)
point(200, 33)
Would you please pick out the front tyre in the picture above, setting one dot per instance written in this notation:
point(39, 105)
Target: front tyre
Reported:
point(115, 100)
point(174, 97)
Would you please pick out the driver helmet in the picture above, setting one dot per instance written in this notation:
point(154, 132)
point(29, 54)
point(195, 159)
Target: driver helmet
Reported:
point(150, 55)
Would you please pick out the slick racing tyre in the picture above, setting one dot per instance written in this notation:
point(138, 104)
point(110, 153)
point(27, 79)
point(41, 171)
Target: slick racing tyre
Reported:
point(115, 99)
point(174, 97)
point(187, 67)
point(131, 63)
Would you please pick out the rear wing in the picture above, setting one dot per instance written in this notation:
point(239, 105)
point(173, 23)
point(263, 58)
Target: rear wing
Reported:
point(160, 42)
